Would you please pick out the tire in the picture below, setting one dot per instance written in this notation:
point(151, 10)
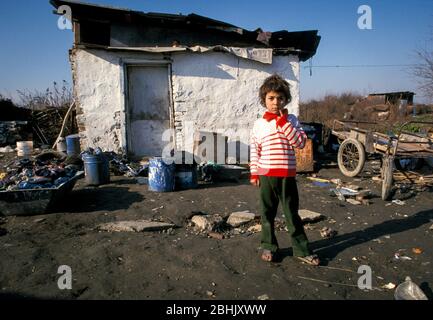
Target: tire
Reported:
point(387, 179)
point(351, 157)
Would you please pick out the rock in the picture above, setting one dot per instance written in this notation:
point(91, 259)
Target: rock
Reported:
point(431, 227)
point(39, 220)
point(353, 201)
point(309, 216)
point(206, 222)
point(135, 226)
point(263, 297)
point(255, 228)
point(239, 218)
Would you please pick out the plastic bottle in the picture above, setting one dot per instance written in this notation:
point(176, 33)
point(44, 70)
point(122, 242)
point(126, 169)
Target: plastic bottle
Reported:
point(408, 290)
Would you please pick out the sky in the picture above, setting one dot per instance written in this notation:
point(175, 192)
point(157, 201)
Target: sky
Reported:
point(34, 51)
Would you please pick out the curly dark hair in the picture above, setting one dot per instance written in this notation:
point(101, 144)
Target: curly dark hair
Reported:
point(274, 83)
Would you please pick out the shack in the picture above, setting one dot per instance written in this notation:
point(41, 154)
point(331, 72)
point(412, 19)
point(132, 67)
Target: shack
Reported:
point(143, 80)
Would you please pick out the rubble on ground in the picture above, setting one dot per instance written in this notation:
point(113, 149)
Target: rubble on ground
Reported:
point(239, 218)
point(135, 226)
point(309, 216)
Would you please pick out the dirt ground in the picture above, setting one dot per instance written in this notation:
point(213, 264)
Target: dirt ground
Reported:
point(184, 264)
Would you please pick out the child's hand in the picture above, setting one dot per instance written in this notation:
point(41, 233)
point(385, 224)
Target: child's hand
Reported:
point(284, 112)
point(255, 182)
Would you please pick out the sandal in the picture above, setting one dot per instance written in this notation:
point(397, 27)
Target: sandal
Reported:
point(268, 255)
point(312, 260)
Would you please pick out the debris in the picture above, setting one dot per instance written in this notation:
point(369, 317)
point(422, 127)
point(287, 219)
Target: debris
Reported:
point(376, 178)
point(36, 174)
point(263, 297)
point(326, 232)
point(363, 194)
point(210, 294)
point(348, 192)
point(399, 202)
point(255, 228)
point(309, 216)
point(332, 221)
point(408, 290)
point(216, 235)
point(39, 220)
point(399, 256)
point(318, 180)
point(354, 259)
point(431, 227)
point(238, 218)
point(339, 195)
point(6, 149)
point(142, 180)
point(135, 226)
point(321, 184)
point(209, 223)
point(338, 182)
point(417, 250)
point(354, 202)
point(353, 187)
point(389, 286)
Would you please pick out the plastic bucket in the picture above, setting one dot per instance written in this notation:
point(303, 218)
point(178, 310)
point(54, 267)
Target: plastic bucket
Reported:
point(161, 175)
point(186, 176)
point(61, 145)
point(24, 148)
point(73, 145)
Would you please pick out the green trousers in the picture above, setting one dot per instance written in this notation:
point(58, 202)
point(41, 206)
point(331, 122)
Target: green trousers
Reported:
point(272, 191)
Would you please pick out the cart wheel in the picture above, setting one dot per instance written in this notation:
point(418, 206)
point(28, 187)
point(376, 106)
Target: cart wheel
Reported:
point(387, 169)
point(351, 157)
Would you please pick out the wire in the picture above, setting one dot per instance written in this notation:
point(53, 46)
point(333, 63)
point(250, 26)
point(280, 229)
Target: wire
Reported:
point(363, 66)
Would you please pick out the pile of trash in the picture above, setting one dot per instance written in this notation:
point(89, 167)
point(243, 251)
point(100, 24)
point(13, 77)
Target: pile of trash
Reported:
point(345, 193)
point(121, 165)
point(210, 171)
point(48, 170)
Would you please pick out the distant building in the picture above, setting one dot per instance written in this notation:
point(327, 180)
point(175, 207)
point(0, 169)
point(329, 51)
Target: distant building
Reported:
point(137, 74)
point(396, 98)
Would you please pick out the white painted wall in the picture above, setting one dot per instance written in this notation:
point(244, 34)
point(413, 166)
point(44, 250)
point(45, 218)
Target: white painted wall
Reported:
point(215, 91)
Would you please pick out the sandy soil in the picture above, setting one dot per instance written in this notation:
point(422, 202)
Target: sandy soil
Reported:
point(185, 264)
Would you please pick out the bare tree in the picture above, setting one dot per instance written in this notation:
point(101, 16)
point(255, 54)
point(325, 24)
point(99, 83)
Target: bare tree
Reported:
point(424, 72)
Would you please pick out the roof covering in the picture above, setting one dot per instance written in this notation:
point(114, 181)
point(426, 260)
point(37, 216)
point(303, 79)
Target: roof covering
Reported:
point(302, 43)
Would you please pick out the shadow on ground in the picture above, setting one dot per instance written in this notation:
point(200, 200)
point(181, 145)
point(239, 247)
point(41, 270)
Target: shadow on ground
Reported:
point(99, 199)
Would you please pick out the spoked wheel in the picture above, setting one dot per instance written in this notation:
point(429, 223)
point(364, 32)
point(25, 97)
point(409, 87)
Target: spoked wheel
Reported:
point(386, 173)
point(351, 157)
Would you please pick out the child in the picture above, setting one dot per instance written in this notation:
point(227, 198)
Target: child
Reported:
point(273, 169)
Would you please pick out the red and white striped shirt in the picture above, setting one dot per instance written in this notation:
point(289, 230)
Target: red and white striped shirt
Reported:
point(273, 140)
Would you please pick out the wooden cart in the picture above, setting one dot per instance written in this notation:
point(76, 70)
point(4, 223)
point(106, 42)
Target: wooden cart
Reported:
point(355, 142)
